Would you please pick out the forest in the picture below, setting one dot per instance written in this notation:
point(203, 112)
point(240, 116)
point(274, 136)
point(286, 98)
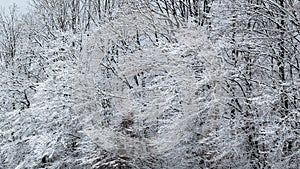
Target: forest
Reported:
point(150, 84)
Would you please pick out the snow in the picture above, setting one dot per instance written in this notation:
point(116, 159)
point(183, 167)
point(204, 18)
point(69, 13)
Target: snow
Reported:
point(150, 84)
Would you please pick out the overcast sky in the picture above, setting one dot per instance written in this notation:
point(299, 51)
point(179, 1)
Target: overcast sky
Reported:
point(22, 4)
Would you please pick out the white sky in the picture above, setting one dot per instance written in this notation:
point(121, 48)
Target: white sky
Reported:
point(22, 4)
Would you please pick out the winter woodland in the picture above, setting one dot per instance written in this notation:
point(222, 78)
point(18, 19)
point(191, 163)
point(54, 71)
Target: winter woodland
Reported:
point(142, 84)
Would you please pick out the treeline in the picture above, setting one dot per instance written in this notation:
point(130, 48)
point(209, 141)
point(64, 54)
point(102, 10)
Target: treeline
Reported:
point(150, 84)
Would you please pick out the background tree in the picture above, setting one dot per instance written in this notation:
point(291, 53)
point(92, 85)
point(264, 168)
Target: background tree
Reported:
point(256, 55)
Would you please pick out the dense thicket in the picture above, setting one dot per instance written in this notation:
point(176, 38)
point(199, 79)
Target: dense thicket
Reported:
point(150, 84)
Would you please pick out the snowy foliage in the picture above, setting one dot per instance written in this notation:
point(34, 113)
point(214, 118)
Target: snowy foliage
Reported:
point(150, 84)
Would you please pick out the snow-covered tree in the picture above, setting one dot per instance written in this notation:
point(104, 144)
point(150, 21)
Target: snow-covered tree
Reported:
point(259, 39)
point(150, 84)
